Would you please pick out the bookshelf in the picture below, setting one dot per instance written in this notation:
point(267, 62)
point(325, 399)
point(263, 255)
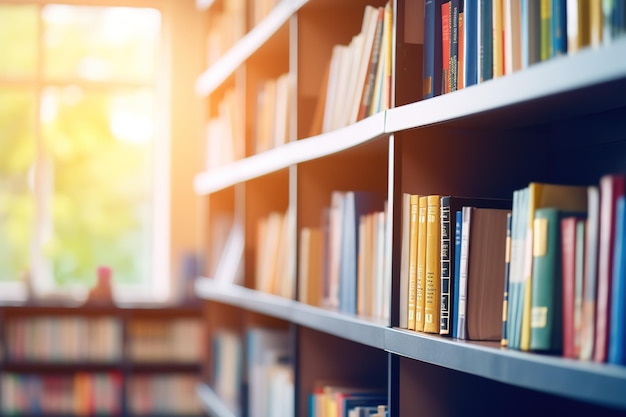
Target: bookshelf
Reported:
point(556, 121)
point(81, 360)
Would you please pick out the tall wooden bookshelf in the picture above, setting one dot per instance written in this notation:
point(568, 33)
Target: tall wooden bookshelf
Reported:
point(557, 121)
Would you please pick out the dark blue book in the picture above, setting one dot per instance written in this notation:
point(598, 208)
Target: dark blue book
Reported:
point(470, 38)
point(432, 68)
point(559, 27)
point(617, 329)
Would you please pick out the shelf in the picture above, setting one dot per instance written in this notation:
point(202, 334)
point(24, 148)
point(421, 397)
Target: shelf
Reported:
point(212, 404)
point(246, 46)
point(596, 383)
point(291, 153)
point(165, 367)
point(362, 330)
point(59, 367)
point(563, 86)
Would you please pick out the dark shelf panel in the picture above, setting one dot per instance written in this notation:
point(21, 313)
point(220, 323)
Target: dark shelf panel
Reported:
point(165, 367)
point(59, 367)
point(592, 382)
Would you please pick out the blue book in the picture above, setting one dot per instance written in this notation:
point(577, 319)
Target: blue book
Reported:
point(470, 40)
point(432, 64)
point(458, 219)
point(559, 27)
point(617, 329)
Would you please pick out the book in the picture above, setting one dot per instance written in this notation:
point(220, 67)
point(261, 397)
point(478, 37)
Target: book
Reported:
point(458, 218)
point(588, 320)
point(545, 16)
point(485, 269)
point(405, 251)
point(559, 27)
point(470, 45)
point(461, 327)
point(446, 24)
point(413, 257)
point(540, 195)
point(310, 266)
point(572, 287)
point(372, 67)
point(577, 25)
point(612, 187)
point(512, 36)
point(547, 281)
point(485, 44)
point(460, 71)
point(420, 283)
point(432, 289)
point(595, 22)
point(431, 83)
point(530, 32)
point(507, 270)
point(455, 9)
point(498, 37)
point(617, 329)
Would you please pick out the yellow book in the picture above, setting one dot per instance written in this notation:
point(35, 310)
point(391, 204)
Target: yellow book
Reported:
point(498, 38)
point(541, 195)
point(595, 22)
point(432, 293)
point(413, 232)
point(420, 285)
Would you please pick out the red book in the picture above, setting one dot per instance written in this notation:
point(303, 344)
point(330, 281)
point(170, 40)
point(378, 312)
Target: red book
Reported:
point(611, 187)
point(446, 19)
point(572, 285)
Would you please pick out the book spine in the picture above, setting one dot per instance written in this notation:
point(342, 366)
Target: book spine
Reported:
point(497, 27)
point(470, 46)
point(457, 265)
point(445, 310)
point(420, 285)
point(454, 44)
point(568, 258)
point(587, 326)
point(546, 309)
point(581, 227)
point(617, 333)
point(413, 233)
point(486, 40)
point(546, 29)
point(433, 278)
point(446, 25)
point(507, 271)
point(428, 86)
point(611, 188)
point(463, 261)
point(559, 27)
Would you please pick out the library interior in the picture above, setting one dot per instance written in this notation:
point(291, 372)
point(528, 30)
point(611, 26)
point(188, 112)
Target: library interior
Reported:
point(312, 208)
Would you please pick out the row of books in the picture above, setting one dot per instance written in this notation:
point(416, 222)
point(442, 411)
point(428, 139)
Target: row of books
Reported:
point(225, 135)
point(468, 42)
point(82, 394)
point(178, 340)
point(153, 395)
point(542, 272)
point(64, 339)
point(358, 79)
point(567, 275)
point(453, 286)
point(347, 400)
point(344, 264)
point(226, 26)
point(273, 112)
point(262, 359)
point(273, 272)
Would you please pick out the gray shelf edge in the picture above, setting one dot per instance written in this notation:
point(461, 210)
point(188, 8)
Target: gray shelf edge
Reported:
point(566, 73)
point(348, 327)
point(300, 151)
point(601, 384)
point(212, 403)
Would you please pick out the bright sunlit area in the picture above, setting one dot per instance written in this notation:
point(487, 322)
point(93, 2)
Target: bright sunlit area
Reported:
point(86, 161)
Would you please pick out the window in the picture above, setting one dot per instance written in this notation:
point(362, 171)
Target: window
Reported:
point(80, 109)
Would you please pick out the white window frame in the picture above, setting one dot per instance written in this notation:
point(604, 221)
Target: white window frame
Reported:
point(159, 290)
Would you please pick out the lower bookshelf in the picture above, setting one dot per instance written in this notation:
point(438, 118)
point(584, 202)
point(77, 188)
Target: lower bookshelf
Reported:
point(101, 360)
point(576, 385)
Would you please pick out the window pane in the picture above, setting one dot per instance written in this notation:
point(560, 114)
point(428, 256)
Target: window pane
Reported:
point(101, 150)
point(101, 44)
point(17, 205)
point(18, 40)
